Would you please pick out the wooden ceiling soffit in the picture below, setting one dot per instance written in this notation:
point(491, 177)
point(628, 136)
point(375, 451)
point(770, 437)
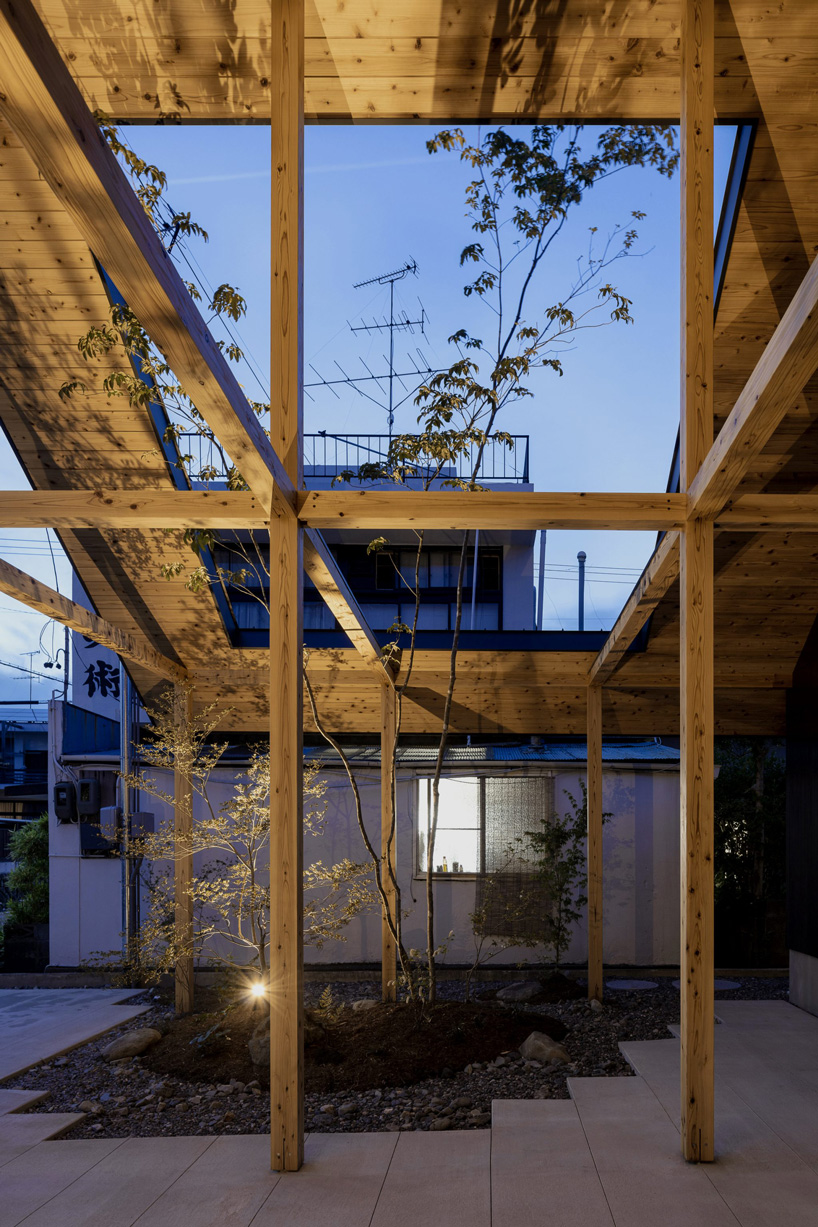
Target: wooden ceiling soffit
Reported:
point(43, 105)
point(22, 587)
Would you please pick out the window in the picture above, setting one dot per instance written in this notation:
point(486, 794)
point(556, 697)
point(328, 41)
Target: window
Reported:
point(385, 575)
point(480, 820)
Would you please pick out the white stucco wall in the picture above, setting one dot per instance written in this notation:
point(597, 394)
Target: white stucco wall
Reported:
point(641, 866)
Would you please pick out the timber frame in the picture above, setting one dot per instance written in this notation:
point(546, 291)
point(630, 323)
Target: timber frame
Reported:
point(728, 591)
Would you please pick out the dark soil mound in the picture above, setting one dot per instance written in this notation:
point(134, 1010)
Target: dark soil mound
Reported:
point(396, 1045)
point(388, 1045)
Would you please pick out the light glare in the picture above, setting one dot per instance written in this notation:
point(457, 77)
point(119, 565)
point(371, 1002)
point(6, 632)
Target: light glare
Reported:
point(257, 989)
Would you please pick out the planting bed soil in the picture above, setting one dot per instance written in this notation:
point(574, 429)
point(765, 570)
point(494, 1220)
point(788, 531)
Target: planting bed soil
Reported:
point(379, 1069)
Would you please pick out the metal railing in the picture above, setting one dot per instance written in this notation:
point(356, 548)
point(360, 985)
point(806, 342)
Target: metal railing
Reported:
point(326, 455)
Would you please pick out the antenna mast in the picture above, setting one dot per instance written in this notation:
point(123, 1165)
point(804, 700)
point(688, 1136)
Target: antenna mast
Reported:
point(390, 325)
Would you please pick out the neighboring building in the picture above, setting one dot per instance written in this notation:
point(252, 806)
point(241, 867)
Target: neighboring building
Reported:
point(23, 777)
point(490, 792)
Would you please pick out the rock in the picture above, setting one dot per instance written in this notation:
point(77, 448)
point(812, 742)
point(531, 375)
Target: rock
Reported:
point(90, 1105)
point(443, 1122)
point(131, 1044)
point(521, 990)
point(596, 1006)
point(364, 1003)
point(229, 1116)
point(480, 1118)
point(540, 1047)
point(259, 1044)
point(348, 1109)
point(462, 1101)
point(501, 1060)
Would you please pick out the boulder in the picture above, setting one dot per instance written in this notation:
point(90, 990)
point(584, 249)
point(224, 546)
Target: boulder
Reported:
point(540, 1047)
point(364, 1003)
point(131, 1044)
point(258, 1044)
point(521, 990)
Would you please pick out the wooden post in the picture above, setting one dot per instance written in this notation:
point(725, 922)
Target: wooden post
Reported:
point(286, 595)
point(389, 836)
point(594, 754)
point(183, 860)
point(696, 586)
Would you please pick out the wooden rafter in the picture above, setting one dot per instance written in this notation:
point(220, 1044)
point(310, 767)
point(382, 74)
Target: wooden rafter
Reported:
point(657, 577)
point(22, 587)
point(787, 363)
point(43, 105)
point(325, 573)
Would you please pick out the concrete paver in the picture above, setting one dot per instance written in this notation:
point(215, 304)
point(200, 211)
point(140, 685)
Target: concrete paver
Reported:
point(610, 1157)
point(38, 1024)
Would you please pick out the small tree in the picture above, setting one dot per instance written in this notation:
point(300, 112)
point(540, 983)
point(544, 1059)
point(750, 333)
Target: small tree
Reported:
point(501, 919)
point(556, 852)
point(28, 880)
point(229, 888)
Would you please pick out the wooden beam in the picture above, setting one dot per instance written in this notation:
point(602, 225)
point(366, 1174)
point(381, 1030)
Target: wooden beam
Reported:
point(183, 857)
point(286, 593)
point(753, 513)
point(177, 509)
point(389, 953)
point(657, 577)
point(456, 510)
point(696, 585)
point(43, 105)
point(22, 587)
point(787, 363)
point(325, 573)
point(594, 805)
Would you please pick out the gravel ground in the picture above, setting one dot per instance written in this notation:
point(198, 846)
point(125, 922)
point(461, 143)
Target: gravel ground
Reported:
point(124, 1099)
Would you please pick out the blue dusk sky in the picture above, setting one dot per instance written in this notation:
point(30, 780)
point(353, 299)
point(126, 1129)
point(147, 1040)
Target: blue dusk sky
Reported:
point(374, 198)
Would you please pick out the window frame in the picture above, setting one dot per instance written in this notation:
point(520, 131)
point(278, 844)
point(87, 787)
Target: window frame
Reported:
point(419, 870)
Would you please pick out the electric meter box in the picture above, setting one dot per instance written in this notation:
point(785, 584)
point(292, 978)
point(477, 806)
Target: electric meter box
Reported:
point(110, 823)
point(65, 802)
point(88, 798)
point(143, 822)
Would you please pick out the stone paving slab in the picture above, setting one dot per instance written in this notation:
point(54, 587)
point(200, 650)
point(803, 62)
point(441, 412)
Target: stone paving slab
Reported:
point(119, 1188)
point(225, 1187)
point(339, 1184)
point(45, 1171)
point(19, 1133)
point(14, 1101)
point(38, 1024)
point(437, 1178)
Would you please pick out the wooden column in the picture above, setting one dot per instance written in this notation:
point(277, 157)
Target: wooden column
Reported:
point(183, 859)
point(696, 586)
point(286, 598)
point(389, 837)
point(594, 753)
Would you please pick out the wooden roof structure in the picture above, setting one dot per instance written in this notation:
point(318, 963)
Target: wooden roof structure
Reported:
point(747, 513)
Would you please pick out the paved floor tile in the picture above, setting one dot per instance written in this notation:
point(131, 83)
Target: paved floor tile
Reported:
point(224, 1187)
point(339, 1184)
point(44, 1171)
point(37, 1024)
point(123, 1185)
point(19, 1133)
point(436, 1179)
point(14, 1101)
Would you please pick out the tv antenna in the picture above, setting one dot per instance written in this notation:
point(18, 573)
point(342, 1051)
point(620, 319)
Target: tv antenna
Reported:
point(400, 323)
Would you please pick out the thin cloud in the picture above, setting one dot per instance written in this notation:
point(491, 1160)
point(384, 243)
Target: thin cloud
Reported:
point(335, 168)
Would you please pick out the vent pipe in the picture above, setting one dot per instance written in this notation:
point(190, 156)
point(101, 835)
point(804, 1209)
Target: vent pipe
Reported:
point(581, 556)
